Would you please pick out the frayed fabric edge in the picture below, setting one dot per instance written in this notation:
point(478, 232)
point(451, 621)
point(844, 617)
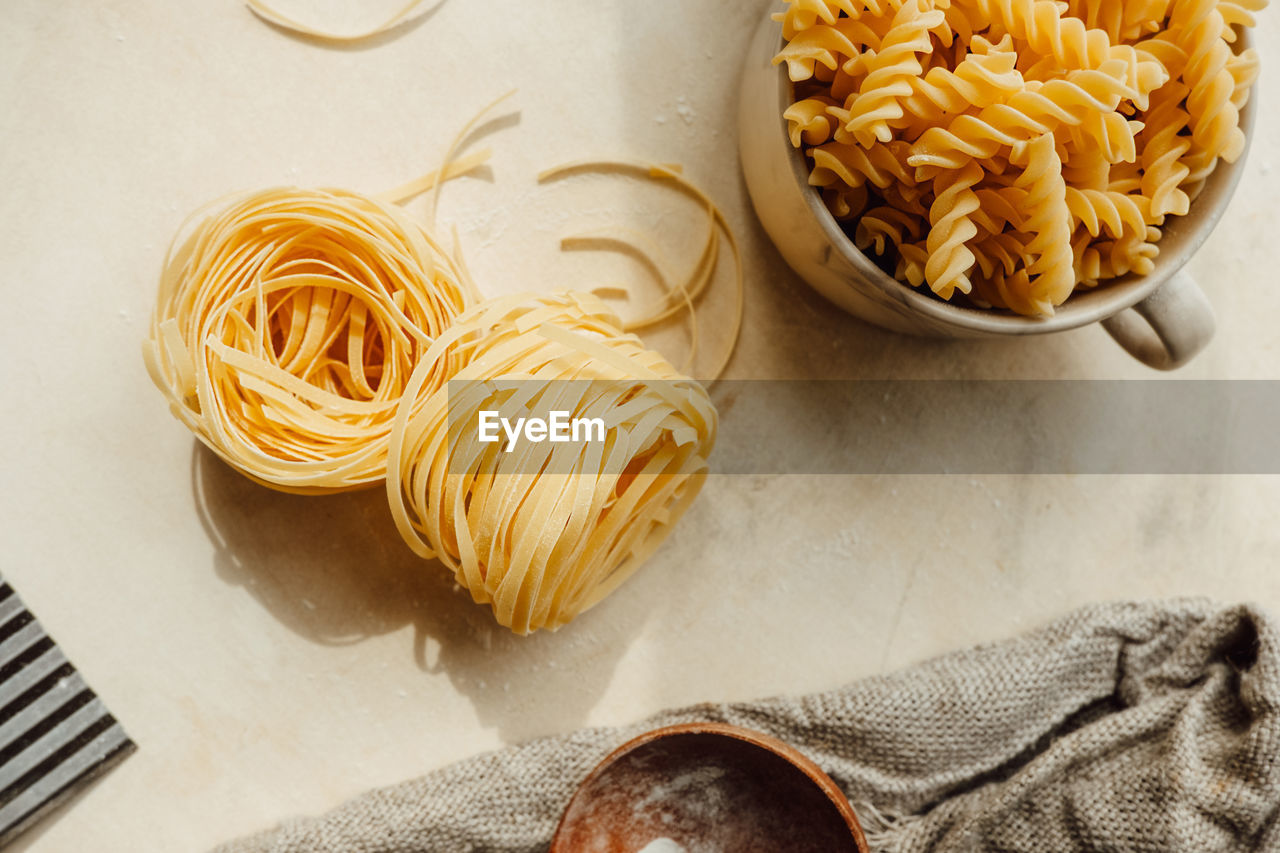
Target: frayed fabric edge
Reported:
point(886, 832)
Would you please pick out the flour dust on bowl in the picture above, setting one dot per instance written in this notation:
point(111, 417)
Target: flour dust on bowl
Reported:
point(708, 788)
point(1161, 316)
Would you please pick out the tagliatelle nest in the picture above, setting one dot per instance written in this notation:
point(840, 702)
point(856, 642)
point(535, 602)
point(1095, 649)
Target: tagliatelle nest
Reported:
point(544, 531)
point(287, 326)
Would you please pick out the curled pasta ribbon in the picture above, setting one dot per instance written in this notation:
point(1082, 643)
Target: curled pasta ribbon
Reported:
point(545, 531)
point(287, 325)
point(681, 297)
point(269, 13)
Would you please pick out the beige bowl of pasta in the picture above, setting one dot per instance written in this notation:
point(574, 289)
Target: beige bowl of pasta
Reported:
point(1001, 168)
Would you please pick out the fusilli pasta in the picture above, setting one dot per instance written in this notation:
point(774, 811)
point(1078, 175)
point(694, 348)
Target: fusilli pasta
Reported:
point(1008, 152)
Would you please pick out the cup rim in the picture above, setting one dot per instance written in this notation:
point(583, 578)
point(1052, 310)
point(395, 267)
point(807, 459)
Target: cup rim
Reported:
point(1082, 307)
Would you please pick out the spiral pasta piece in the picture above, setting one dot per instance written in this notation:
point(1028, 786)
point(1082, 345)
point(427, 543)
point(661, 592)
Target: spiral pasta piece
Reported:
point(1003, 260)
point(1132, 253)
point(1108, 212)
point(1070, 42)
point(889, 76)
point(1163, 169)
point(816, 46)
point(1084, 98)
point(845, 202)
point(1048, 221)
point(1087, 168)
point(983, 78)
point(855, 166)
point(912, 260)
point(1141, 16)
point(1244, 68)
point(999, 207)
point(974, 137)
point(1105, 15)
point(541, 532)
point(886, 226)
point(809, 121)
point(287, 325)
point(1239, 13)
point(1215, 119)
point(951, 228)
point(802, 15)
point(1003, 251)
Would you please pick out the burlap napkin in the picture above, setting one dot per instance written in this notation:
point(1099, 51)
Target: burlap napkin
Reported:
point(1126, 727)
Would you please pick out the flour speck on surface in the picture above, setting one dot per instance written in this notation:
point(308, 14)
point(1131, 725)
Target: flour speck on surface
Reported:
point(686, 113)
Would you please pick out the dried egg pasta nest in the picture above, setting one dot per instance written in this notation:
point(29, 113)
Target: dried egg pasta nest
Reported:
point(546, 531)
point(287, 325)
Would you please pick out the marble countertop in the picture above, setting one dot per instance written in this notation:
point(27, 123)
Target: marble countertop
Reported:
point(274, 655)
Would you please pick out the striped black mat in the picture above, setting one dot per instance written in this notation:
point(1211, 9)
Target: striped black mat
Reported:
point(55, 734)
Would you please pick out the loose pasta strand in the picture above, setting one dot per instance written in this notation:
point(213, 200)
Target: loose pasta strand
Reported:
point(269, 13)
point(684, 296)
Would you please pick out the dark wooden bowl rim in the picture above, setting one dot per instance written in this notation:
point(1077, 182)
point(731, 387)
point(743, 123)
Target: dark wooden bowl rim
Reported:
point(783, 750)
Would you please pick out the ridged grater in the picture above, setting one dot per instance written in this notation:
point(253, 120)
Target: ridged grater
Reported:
point(55, 735)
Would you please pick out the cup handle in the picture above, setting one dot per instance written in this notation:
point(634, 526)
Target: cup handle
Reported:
point(1169, 327)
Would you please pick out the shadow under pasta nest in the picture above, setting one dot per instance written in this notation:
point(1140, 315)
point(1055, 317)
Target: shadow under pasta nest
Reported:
point(334, 570)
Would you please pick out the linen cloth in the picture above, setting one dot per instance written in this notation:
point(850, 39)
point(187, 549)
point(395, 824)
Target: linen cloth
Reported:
point(1122, 727)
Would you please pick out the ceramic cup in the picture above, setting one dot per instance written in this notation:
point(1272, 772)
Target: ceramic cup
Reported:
point(1163, 319)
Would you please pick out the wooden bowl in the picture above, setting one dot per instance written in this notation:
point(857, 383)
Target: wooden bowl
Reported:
point(708, 787)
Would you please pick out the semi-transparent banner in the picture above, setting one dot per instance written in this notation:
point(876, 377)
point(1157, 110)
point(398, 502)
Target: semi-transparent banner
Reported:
point(962, 427)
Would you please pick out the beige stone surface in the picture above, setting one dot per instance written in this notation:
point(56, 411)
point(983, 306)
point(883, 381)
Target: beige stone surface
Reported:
point(274, 655)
